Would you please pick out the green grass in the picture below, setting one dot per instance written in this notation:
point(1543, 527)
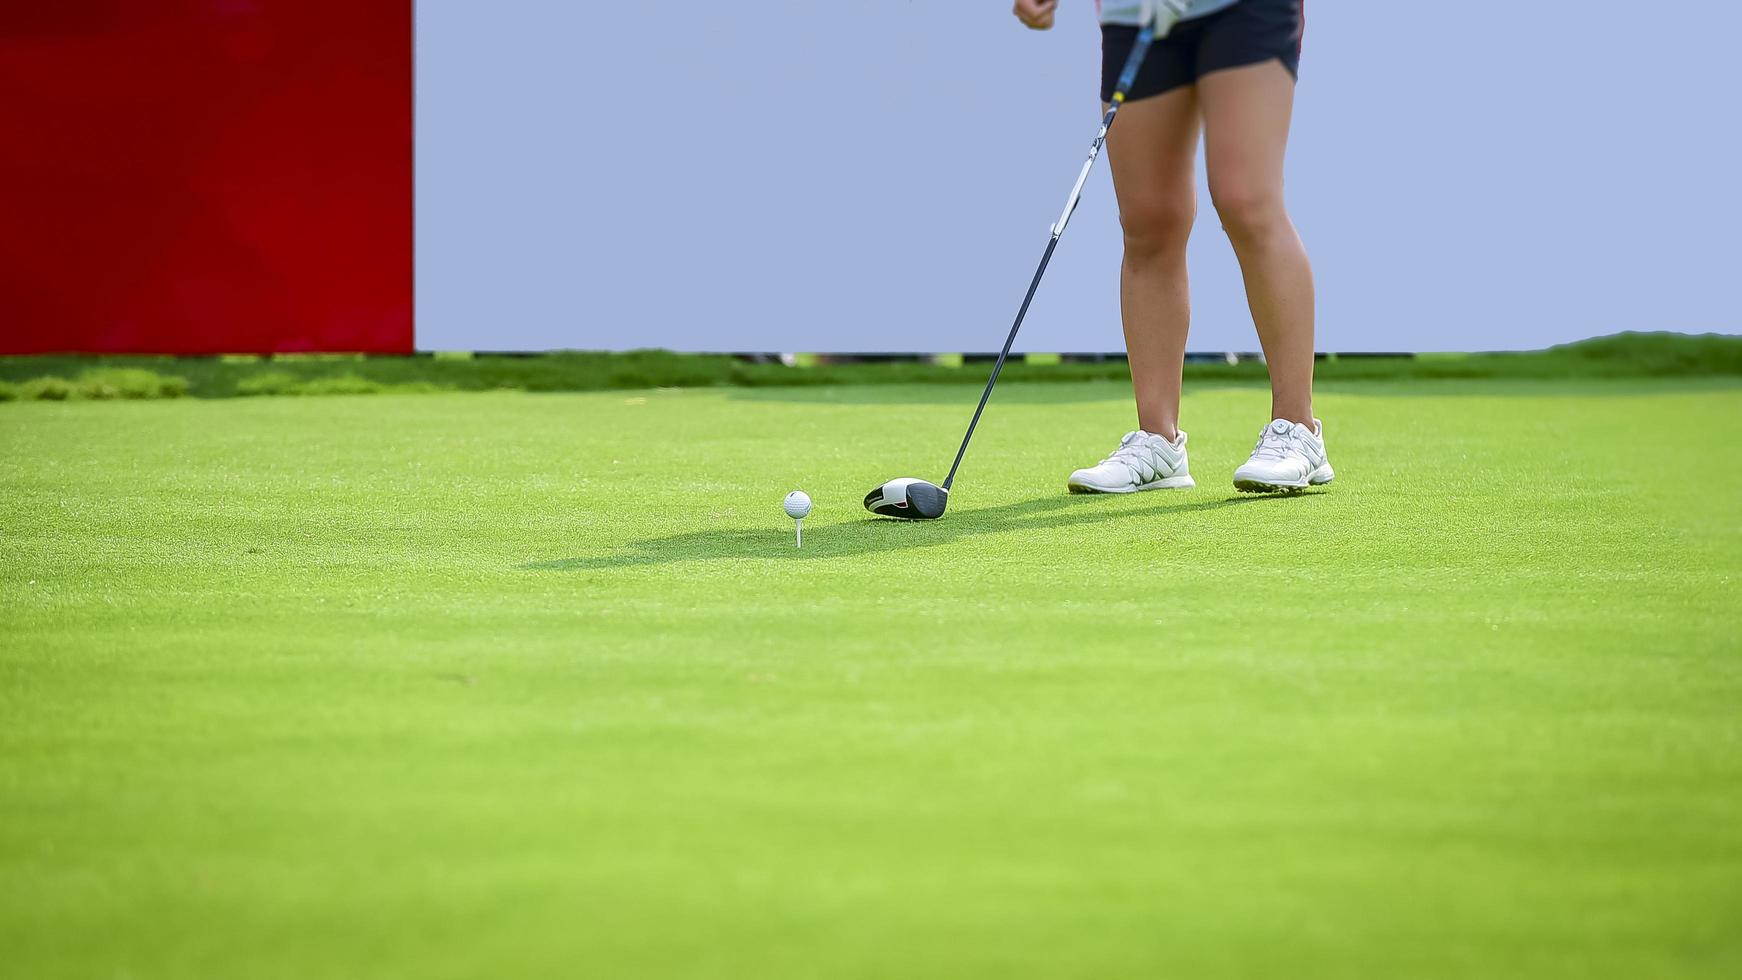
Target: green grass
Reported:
point(536, 686)
point(1627, 355)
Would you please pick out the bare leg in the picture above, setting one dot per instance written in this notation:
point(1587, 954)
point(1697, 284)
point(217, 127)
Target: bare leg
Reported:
point(1152, 149)
point(1246, 118)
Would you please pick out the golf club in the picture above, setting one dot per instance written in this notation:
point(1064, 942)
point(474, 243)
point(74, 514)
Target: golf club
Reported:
point(911, 498)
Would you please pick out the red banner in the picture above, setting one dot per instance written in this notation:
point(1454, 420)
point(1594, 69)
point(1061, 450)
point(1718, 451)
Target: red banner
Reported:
point(206, 176)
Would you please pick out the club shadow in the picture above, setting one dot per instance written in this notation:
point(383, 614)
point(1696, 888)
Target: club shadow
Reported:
point(875, 535)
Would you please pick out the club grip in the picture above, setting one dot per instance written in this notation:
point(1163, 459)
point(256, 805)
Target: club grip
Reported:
point(1133, 61)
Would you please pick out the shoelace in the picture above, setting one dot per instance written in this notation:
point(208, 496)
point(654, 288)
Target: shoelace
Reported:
point(1133, 453)
point(1274, 445)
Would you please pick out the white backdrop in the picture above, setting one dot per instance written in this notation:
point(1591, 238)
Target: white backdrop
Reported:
point(879, 175)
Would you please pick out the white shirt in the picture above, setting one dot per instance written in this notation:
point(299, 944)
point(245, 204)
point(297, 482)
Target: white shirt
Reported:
point(1126, 11)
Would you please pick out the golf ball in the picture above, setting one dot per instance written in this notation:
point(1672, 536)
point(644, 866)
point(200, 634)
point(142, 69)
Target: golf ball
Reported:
point(797, 504)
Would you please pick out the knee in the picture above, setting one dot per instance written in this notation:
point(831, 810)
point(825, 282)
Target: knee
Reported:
point(1250, 213)
point(1157, 229)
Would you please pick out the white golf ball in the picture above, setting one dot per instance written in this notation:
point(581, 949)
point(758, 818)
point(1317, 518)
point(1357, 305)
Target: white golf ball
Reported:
point(797, 504)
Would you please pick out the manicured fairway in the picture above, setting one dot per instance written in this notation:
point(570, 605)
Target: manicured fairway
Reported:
point(536, 686)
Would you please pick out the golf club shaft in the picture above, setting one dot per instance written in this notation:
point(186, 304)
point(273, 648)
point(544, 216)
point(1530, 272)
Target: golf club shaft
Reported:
point(1133, 62)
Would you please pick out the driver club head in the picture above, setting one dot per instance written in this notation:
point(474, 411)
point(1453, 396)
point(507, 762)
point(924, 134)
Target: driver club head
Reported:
point(909, 499)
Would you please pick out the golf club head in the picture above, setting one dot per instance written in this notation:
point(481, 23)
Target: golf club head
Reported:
point(909, 499)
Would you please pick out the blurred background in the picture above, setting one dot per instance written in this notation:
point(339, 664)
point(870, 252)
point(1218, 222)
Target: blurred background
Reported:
point(864, 175)
point(206, 176)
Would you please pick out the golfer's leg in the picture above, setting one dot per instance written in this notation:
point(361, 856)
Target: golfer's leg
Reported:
point(1246, 117)
point(1151, 149)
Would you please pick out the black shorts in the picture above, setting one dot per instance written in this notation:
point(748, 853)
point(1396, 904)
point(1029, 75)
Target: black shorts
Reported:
point(1248, 33)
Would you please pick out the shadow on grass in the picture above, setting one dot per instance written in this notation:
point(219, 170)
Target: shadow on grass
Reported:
point(876, 535)
point(963, 392)
point(1072, 392)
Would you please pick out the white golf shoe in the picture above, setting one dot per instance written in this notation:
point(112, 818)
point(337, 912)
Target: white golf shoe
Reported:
point(1143, 461)
point(1289, 457)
